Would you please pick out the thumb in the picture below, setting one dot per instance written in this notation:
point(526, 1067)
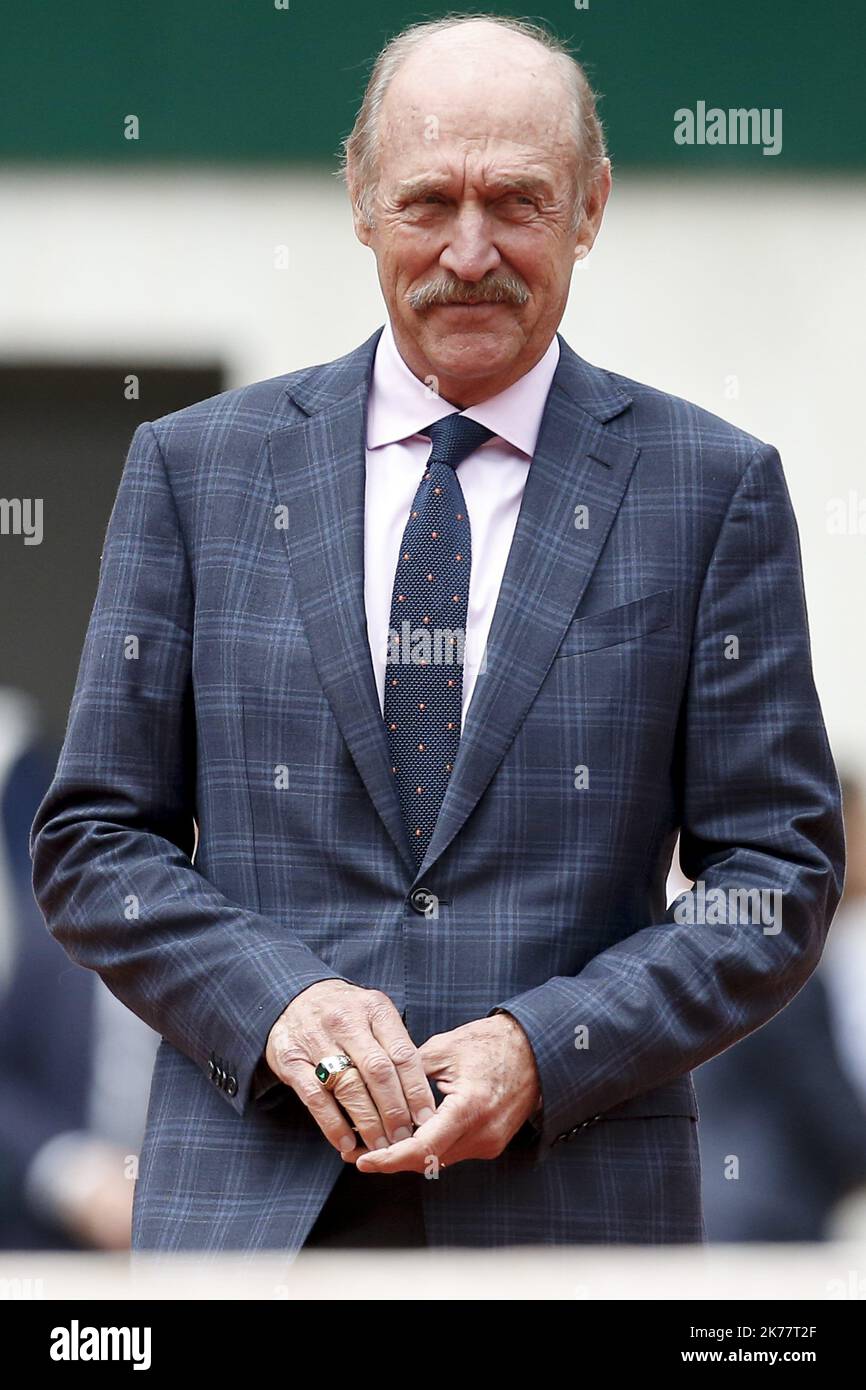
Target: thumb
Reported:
point(436, 1052)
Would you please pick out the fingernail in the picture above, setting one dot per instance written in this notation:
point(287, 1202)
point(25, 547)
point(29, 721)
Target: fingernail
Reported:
point(381, 1143)
point(425, 1115)
point(346, 1144)
point(403, 1133)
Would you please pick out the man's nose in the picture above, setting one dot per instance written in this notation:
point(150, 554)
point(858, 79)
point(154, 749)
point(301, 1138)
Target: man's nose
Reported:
point(470, 252)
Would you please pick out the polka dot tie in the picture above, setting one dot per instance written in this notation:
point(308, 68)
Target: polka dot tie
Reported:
point(424, 667)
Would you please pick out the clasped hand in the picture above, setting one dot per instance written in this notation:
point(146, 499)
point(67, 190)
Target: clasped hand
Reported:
point(484, 1069)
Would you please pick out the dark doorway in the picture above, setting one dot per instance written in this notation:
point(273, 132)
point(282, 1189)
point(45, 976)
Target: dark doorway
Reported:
point(64, 434)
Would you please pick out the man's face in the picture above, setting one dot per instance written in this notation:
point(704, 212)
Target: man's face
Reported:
point(475, 202)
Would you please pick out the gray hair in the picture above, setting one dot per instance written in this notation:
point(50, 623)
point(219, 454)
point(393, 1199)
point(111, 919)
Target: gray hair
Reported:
point(360, 150)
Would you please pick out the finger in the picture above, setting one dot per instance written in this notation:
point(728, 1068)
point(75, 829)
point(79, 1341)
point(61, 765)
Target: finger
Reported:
point(390, 1031)
point(345, 1030)
point(428, 1146)
point(322, 1106)
point(381, 1080)
point(352, 1093)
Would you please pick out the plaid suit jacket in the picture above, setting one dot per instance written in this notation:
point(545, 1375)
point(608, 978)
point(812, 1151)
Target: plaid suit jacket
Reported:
point(648, 673)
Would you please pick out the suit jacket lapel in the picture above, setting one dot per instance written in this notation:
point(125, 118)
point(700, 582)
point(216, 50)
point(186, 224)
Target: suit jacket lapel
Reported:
point(319, 475)
point(576, 463)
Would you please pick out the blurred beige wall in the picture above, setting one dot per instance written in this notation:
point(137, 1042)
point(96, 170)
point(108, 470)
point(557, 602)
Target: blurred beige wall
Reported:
point(747, 296)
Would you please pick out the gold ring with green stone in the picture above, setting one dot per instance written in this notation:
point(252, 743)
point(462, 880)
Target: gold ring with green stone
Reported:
point(329, 1069)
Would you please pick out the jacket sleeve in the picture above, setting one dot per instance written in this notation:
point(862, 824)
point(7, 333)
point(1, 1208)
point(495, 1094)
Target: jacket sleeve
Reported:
point(112, 840)
point(759, 808)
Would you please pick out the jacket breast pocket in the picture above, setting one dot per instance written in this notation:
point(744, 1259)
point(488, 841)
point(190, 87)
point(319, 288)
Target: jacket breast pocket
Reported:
point(621, 624)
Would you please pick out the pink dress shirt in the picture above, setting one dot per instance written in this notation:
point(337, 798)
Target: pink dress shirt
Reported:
point(492, 479)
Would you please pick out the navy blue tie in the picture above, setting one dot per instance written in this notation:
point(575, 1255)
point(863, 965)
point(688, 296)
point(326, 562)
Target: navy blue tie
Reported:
point(424, 667)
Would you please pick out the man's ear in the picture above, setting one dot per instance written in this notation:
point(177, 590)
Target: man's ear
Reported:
point(359, 222)
point(362, 228)
point(594, 203)
point(593, 209)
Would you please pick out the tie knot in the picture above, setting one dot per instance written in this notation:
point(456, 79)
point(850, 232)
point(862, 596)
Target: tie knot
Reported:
point(454, 438)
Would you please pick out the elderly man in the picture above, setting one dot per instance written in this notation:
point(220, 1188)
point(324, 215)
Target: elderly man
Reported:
point(439, 646)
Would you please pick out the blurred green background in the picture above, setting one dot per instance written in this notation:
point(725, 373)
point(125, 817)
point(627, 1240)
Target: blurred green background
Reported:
point(230, 81)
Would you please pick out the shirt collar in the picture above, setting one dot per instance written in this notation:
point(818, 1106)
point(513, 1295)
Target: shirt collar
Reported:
point(401, 405)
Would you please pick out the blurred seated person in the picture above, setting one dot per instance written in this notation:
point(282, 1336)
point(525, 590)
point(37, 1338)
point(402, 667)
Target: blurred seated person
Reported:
point(782, 1129)
point(844, 960)
point(76, 1062)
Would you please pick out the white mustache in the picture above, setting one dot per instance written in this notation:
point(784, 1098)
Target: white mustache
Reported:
point(504, 289)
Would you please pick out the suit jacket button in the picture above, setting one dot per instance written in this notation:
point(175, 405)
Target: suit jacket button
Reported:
point(232, 1085)
point(584, 1124)
point(422, 900)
